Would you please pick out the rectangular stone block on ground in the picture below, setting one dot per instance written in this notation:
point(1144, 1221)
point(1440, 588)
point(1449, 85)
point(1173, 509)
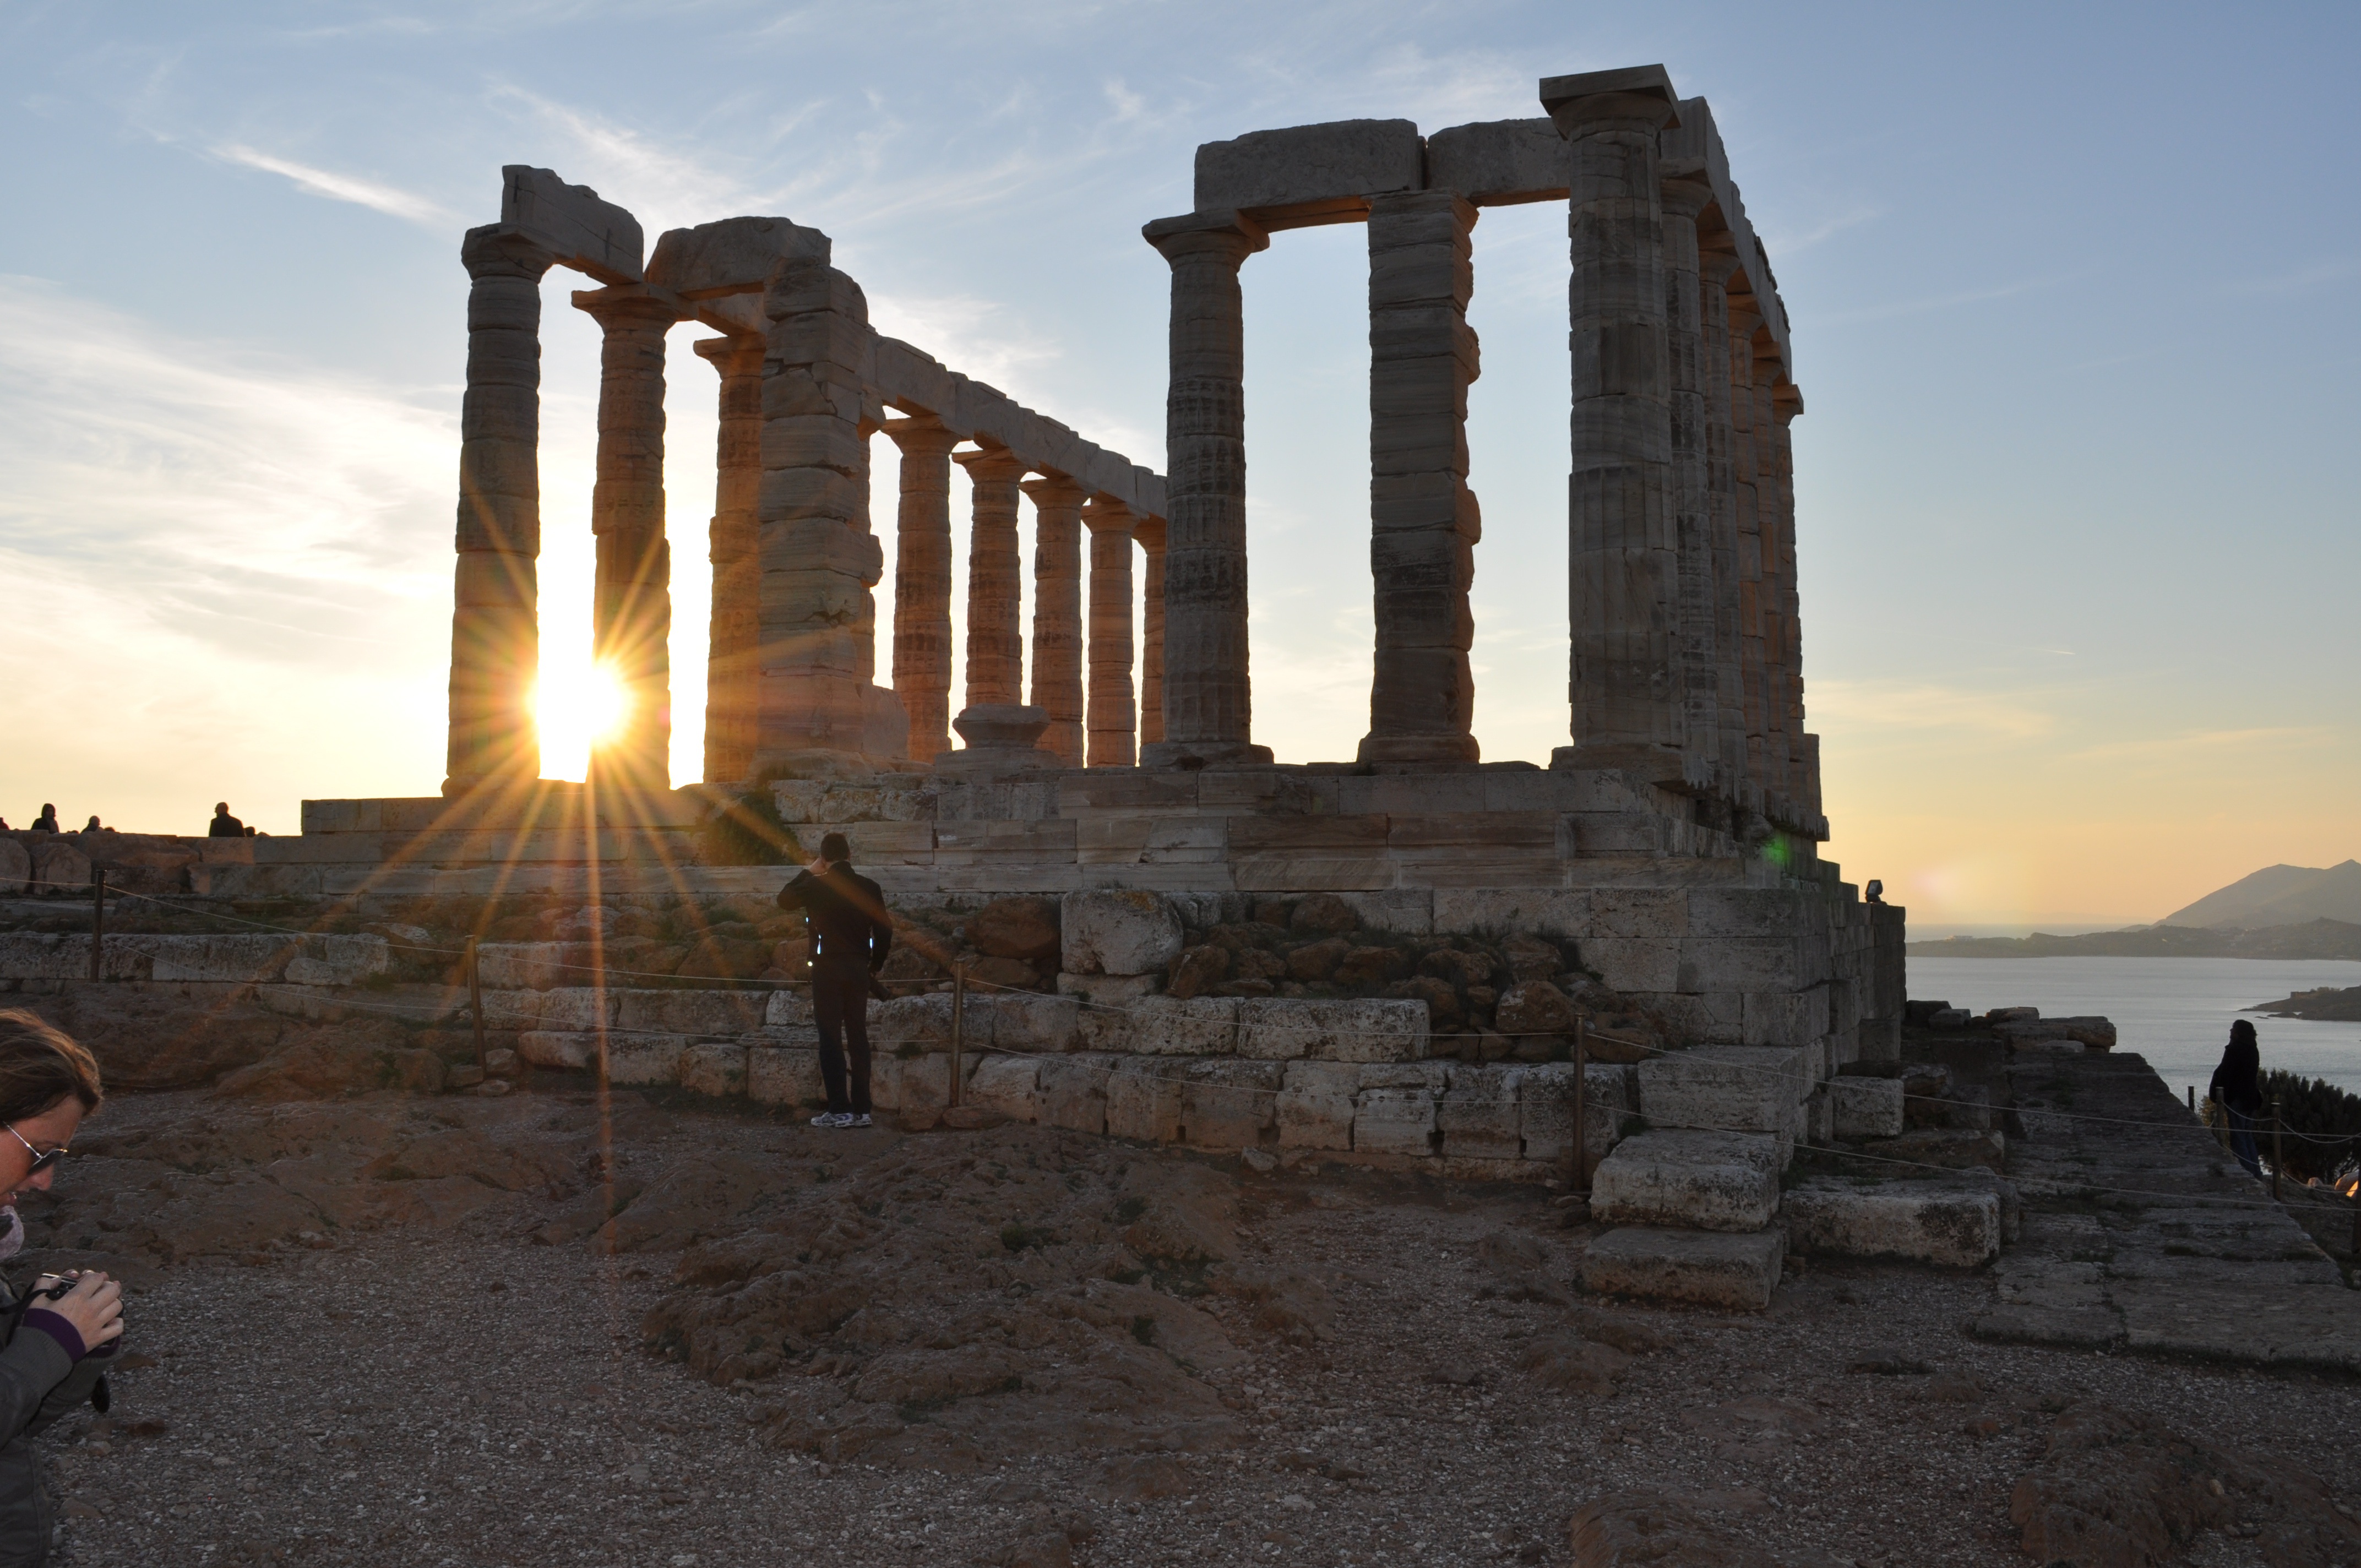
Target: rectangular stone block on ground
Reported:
point(339, 960)
point(1144, 1103)
point(691, 1011)
point(1738, 1089)
point(577, 1007)
point(522, 966)
point(1394, 1122)
point(1115, 991)
point(512, 1009)
point(715, 1069)
point(1545, 1110)
point(634, 1058)
point(1229, 1104)
point(786, 1009)
point(1954, 1226)
point(547, 1048)
point(1708, 1181)
point(1355, 1030)
point(1314, 1107)
point(243, 960)
point(1073, 1094)
point(1034, 1024)
point(1165, 1025)
point(1117, 933)
point(1009, 1085)
point(1710, 1268)
point(1865, 1107)
point(924, 1022)
point(1477, 1114)
point(777, 1076)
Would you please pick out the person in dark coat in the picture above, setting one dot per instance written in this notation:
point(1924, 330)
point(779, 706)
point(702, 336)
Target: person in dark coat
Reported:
point(46, 822)
point(2237, 1087)
point(225, 825)
point(851, 935)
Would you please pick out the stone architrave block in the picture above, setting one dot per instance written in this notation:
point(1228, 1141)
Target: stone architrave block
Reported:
point(788, 1010)
point(1073, 1094)
point(1028, 1022)
point(339, 960)
point(550, 1047)
point(730, 1013)
point(1009, 1085)
point(1865, 1107)
point(520, 966)
point(513, 1010)
point(644, 1058)
point(1633, 964)
point(1229, 1104)
point(1119, 933)
point(1166, 1026)
point(1922, 1222)
point(777, 1076)
point(1477, 1113)
point(733, 256)
point(1391, 1121)
point(572, 223)
point(1496, 162)
point(1108, 991)
point(1737, 1088)
point(1711, 1268)
point(714, 1068)
point(1367, 1030)
point(1706, 1181)
point(1316, 172)
point(1143, 1102)
point(577, 1007)
point(1314, 1107)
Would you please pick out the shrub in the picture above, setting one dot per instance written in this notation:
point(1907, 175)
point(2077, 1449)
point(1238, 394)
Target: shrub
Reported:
point(2327, 1118)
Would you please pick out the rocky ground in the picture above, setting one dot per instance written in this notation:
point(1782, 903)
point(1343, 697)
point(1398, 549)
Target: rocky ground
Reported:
point(541, 1329)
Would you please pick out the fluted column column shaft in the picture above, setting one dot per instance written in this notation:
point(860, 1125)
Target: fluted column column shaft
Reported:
point(1778, 561)
point(1058, 613)
point(1423, 517)
point(1683, 198)
point(631, 606)
point(495, 599)
point(1623, 549)
point(1150, 534)
point(922, 582)
point(1207, 691)
point(1744, 453)
point(1729, 722)
point(995, 638)
point(1113, 717)
point(734, 641)
point(1803, 748)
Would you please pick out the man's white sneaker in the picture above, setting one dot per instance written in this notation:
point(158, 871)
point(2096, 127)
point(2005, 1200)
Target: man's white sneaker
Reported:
point(832, 1119)
point(859, 1120)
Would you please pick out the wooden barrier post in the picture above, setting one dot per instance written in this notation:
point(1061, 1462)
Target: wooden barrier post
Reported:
point(475, 1007)
point(1581, 1088)
point(2192, 1100)
point(97, 917)
point(959, 1025)
point(2279, 1162)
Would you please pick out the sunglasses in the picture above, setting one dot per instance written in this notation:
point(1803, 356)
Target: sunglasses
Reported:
point(42, 1159)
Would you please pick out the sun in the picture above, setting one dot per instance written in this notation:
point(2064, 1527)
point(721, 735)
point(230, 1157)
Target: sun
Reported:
point(575, 707)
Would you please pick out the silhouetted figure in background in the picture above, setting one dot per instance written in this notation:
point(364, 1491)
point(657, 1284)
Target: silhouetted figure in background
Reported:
point(225, 825)
point(46, 822)
point(2237, 1087)
point(851, 935)
point(92, 826)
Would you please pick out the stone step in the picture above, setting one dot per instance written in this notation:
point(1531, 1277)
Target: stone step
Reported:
point(1709, 1181)
point(1712, 1268)
point(1922, 1222)
point(1737, 1088)
point(1865, 1107)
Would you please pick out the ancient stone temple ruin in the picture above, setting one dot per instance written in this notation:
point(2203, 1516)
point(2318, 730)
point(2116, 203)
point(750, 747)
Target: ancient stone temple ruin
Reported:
point(1382, 959)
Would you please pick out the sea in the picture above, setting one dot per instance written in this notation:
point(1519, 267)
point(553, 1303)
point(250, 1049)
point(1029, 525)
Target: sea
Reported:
point(2175, 1012)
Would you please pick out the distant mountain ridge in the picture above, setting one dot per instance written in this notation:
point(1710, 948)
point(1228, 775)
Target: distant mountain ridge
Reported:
point(2311, 939)
point(2279, 895)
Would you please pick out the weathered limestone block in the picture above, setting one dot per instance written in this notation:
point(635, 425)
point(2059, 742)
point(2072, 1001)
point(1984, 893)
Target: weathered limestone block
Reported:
point(643, 1059)
point(1819, 1118)
point(1495, 162)
point(1545, 1110)
point(577, 1007)
point(1477, 1114)
point(1394, 1120)
point(1073, 1094)
point(1166, 1026)
point(1009, 1085)
point(733, 256)
point(572, 223)
point(923, 1022)
point(715, 1068)
point(1785, 1017)
point(1707, 1182)
point(513, 1010)
point(558, 1048)
point(1310, 171)
point(1363, 1029)
point(1952, 1226)
point(247, 959)
point(1865, 1107)
point(1742, 1089)
point(16, 867)
point(1624, 964)
point(924, 1083)
point(1229, 1104)
point(1742, 963)
point(1144, 1101)
point(1711, 1268)
point(1118, 933)
point(776, 1076)
point(339, 960)
point(1029, 1024)
point(730, 1013)
point(786, 1010)
point(522, 966)
point(1314, 1107)
point(1096, 992)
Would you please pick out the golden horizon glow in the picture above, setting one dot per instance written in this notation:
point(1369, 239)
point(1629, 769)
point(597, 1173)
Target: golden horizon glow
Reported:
point(576, 704)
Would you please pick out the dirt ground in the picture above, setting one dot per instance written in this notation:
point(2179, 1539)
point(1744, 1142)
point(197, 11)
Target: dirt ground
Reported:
point(394, 1330)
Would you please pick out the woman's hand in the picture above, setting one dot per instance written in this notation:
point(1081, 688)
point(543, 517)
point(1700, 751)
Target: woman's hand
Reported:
point(94, 1307)
point(818, 866)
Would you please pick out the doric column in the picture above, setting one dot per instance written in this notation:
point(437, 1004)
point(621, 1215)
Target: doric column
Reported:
point(1208, 692)
point(1787, 402)
point(631, 605)
point(1744, 456)
point(1058, 612)
point(996, 639)
point(922, 583)
point(820, 563)
point(495, 600)
point(1622, 551)
point(1683, 197)
point(733, 662)
point(1423, 517)
point(1715, 265)
point(1113, 716)
point(1778, 558)
point(1150, 534)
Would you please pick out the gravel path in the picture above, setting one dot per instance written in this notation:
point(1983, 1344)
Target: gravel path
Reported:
point(444, 1390)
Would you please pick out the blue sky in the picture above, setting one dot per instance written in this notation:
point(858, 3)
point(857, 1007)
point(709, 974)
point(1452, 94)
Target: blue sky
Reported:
point(2071, 286)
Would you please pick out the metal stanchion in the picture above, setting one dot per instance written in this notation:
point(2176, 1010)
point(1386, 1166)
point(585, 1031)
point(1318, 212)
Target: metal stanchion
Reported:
point(475, 1007)
point(959, 1025)
point(2278, 1161)
point(1581, 1182)
point(2192, 1100)
point(97, 917)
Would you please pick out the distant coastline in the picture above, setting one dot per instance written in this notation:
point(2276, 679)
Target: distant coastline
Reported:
point(2322, 938)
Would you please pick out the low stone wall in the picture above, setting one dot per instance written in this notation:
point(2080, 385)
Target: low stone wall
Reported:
point(235, 961)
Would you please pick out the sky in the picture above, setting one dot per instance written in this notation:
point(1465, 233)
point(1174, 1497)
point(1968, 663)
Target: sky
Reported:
point(2071, 290)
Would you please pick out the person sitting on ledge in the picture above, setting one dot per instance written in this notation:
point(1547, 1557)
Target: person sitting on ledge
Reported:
point(2238, 1090)
point(852, 934)
point(46, 822)
point(93, 824)
point(225, 825)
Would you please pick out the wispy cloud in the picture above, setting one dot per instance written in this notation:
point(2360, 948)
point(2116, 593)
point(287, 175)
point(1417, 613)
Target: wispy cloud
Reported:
point(664, 185)
point(389, 200)
point(1950, 301)
point(1871, 706)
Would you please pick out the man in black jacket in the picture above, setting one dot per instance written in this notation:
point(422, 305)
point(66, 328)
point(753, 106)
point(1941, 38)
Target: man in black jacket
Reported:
point(851, 935)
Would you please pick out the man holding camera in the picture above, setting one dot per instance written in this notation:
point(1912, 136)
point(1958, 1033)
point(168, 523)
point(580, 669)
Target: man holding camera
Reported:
point(851, 935)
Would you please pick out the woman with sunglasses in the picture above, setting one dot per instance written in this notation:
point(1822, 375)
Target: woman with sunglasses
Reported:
point(57, 1345)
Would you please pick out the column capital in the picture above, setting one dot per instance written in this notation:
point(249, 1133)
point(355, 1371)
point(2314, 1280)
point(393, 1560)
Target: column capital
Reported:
point(1050, 489)
point(1786, 400)
point(719, 352)
point(1685, 196)
point(921, 436)
point(1149, 531)
point(991, 462)
point(1104, 514)
point(1225, 234)
point(498, 250)
point(1745, 316)
point(1639, 97)
point(626, 306)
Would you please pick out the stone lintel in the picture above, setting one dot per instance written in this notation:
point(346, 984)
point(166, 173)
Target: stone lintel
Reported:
point(1310, 174)
point(1494, 163)
point(733, 256)
point(583, 232)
